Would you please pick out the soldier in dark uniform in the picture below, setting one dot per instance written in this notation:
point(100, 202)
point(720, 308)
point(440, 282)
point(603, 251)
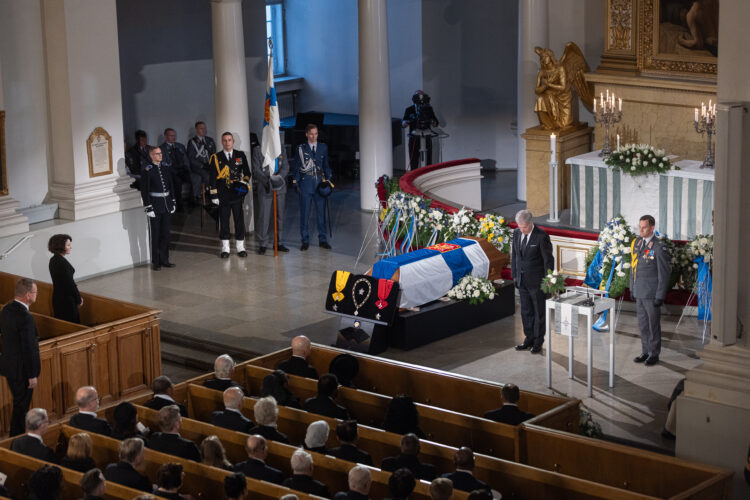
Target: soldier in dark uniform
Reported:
point(419, 116)
point(174, 157)
point(158, 198)
point(199, 150)
point(310, 168)
point(136, 158)
point(230, 182)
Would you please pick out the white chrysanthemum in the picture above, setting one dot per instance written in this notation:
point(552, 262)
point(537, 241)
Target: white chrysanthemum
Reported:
point(553, 281)
point(620, 274)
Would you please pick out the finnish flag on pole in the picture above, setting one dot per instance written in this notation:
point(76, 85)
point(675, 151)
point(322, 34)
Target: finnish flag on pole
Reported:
point(270, 144)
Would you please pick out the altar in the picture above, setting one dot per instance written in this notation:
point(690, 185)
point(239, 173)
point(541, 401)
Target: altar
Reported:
point(680, 200)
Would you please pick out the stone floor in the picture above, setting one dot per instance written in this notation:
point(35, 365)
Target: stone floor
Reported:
point(261, 302)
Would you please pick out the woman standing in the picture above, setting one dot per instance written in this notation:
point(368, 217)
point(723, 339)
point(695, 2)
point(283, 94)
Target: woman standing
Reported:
point(65, 297)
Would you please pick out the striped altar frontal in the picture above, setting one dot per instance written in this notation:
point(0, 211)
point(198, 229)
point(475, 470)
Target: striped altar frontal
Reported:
point(680, 200)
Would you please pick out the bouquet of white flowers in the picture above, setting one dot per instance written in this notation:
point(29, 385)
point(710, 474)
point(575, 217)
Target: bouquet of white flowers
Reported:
point(640, 159)
point(614, 243)
point(553, 283)
point(700, 246)
point(462, 223)
point(475, 290)
point(496, 230)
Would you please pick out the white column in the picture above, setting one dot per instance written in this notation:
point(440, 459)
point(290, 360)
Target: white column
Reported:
point(83, 88)
point(533, 30)
point(375, 141)
point(230, 80)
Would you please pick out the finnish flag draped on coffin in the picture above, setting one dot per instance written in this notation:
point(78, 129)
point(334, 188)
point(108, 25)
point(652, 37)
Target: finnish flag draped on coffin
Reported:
point(270, 144)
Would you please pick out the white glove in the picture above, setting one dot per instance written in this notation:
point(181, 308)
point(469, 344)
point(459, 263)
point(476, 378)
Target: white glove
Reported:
point(174, 207)
point(215, 201)
point(150, 211)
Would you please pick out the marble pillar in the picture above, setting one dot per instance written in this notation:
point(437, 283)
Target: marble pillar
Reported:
point(533, 30)
point(230, 81)
point(375, 141)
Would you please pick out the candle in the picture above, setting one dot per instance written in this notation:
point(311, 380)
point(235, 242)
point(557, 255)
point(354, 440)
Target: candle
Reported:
point(620, 104)
point(696, 115)
point(594, 106)
point(553, 146)
point(608, 94)
point(618, 140)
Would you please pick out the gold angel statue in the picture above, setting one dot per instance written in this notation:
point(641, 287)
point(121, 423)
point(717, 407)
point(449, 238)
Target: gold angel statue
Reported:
point(555, 84)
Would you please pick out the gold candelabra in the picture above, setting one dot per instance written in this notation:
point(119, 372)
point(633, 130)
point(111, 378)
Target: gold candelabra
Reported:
point(606, 114)
point(706, 122)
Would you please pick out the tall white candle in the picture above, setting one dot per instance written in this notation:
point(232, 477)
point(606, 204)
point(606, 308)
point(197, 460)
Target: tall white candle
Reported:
point(618, 141)
point(553, 146)
point(696, 115)
point(594, 105)
point(620, 104)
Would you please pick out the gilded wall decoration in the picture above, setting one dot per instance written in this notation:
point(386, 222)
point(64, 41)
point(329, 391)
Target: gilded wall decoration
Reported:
point(621, 24)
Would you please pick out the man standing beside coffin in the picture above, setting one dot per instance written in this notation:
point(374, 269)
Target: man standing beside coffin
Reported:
point(267, 182)
point(19, 362)
point(158, 196)
point(310, 169)
point(174, 157)
point(649, 281)
point(199, 150)
point(531, 257)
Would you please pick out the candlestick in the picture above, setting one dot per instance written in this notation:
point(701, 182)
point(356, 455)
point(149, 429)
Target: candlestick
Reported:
point(706, 123)
point(608, 115)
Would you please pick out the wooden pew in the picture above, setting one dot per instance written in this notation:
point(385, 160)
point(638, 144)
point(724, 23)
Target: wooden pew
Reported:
point(437, 387)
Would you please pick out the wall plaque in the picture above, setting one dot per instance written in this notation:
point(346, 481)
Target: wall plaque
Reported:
point(99, 147)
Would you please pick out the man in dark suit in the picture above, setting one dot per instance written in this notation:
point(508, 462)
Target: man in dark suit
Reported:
point(649, 282)
point(297, 364)
point(223, 369)
point(163, 392)
point(266, 413)
point(408, 459)
point(230, 182)
point(509, 413)
point(463, 478)
point(255, 466)
point(401, 483)
point(19, 362)
point(310, 169)
point(169, 439)
point(159, 200)
point(235, 486)
point(347, 450)
point(302, 480)
point(124, 472)
point(269, 180)
point(32, 443)
point(231, 416)
point(360, 481)
point(323, 403)
point(530, 261)
point(87, 400)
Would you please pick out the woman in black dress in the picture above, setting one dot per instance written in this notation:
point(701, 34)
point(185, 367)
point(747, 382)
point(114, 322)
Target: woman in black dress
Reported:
point(65, 297)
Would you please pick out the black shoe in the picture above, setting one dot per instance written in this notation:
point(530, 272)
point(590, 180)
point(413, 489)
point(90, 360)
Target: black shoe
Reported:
point(667, 435)
point(652, 360)
point(536, 349)
point(304, 246)
point(156, 267)
point(242, 254)
point(282, 248)
point(523, 347)
point(224, 255)
point(261, 250)
point(641, 358)
point(324, 244)
point(167, 264)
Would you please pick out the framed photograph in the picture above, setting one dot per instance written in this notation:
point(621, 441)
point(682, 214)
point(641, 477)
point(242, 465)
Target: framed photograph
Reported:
point(99, 148)
point(680, 36)
point(3, 178)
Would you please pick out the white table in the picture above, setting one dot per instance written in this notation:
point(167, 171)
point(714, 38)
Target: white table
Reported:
point(574, 297)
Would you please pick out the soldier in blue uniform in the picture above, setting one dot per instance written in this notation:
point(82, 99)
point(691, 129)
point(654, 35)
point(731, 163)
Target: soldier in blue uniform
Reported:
point(174, 157)
point(158, 198)
point(230, 182)
point(199, 150)
point(137, 157)
point(310, 168)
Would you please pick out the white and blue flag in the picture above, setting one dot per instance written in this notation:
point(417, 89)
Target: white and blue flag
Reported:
point(270, 144)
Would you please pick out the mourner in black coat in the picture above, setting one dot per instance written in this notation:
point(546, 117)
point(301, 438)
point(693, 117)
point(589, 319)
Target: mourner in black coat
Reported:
point(297, 364)
point(323, 404)
point(65, 296)
point(346, 431)
point(124, 472)
point(255, 466)
point(231, 416)
point(463, 478)
point(408, 459)
point(509, 413)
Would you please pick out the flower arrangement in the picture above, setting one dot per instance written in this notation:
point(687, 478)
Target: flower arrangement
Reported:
point(640, 159)
point(553, 283)
point(614, 243)
point(475, 290)
point(496, 231)
point(700, 246)
point(462, 223)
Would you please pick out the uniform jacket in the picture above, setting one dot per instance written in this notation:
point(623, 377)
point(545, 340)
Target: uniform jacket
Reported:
point(320, 158)
point(174, 157)
point(199, 154)
point(65, 295)
point(20, 343)
point(156, 179)
point(136, 158)
point(650, 269)
point(529, 267)
point(91, 423)
point(262, 175)
point(225, 171)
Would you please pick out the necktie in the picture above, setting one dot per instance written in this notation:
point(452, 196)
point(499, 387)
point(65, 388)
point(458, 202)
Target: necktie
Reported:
point(524, 242)
point(313, 150)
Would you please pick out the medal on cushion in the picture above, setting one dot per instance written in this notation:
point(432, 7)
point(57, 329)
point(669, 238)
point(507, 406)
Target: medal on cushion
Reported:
point(342, 278)
point(361, 293)
point(384, 289)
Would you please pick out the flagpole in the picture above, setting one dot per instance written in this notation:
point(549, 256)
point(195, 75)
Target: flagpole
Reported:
point(275, 209)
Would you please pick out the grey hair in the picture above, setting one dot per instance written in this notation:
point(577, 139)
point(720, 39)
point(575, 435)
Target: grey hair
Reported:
point(223, 366)
point(302, 462)
point(317, 434)
point(233, 398)
point(130, 449)
point(360, 479)
point(266, 411)
point(35, 418)
point(524, 217)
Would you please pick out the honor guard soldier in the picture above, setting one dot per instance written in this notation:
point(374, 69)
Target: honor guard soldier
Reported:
point(311, 169)
point(230, 182)
point(137, 157)
point(174, 157)
point(158, 198)
point(199, 151)
point(267, 182)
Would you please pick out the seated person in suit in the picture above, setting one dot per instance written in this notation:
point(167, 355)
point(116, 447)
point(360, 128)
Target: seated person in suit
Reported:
point(87, 400)
point(302, 480)
point(316, 436)
point(231, 416)
point(223, 369)
point(79, 453)
point(46, 483)
point(463, 478)
point(276, 385)
point(163, 390)
point(346, 431)
point(170, 481)
point(359, 484)
point(402, 416)
point(481, 495)
point(345, 367)
point(441, 489)
point(125, 471)
point(509, 413)
point(266, 413)
point(93, 485)
point(255, 465)
point(401, 483)
point(323, 403)
point(213, 453)
point(169, 439)
point(297, 364)
point(126, 424)
point(408, 459)
point(235, 486)
point(32, 443)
